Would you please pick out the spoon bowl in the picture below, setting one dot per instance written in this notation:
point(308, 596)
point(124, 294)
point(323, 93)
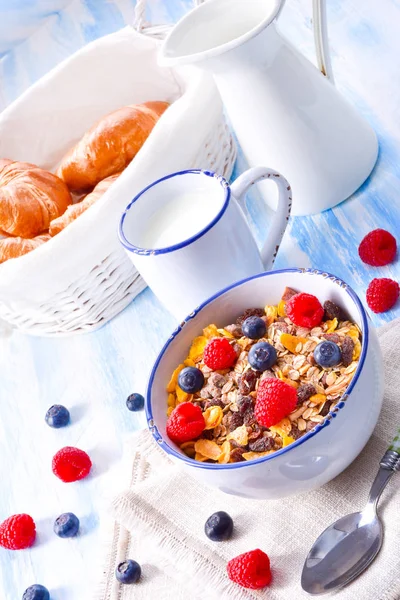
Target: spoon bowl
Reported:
point(348, 546)
point(342, 551)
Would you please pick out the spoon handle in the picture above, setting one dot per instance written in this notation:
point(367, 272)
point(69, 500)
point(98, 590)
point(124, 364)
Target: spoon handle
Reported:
point(389, 464)
point(395, 445)
point(391, 458)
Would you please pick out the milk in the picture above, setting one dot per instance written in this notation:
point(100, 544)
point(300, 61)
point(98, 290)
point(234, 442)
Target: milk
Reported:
point(182, 217)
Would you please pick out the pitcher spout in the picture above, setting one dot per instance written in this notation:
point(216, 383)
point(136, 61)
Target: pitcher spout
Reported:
point(217, 27)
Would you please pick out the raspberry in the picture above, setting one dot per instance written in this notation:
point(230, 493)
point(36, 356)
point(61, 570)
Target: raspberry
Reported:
point(250, 570)
point(304, 310)
point(378, 248)
point(71, 464)
point(219, 354)
point(185, 423)
point(275, 400)
point(17, 532)
point(382, 294)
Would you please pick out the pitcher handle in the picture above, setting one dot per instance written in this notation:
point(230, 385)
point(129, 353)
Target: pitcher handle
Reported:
point(320, 29)
point(278, 227)
point(321, 42)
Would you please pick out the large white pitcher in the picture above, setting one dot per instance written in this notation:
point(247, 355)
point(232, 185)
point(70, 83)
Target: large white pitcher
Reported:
point(284, 111)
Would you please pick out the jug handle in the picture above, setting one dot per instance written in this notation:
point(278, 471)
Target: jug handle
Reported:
point(278, 227)
point(321, 42)
point(320, 29)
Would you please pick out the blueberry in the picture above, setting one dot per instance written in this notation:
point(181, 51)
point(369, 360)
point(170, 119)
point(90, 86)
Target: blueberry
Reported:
point(36, 592)
point(66, 525)
point(128, 571)
point(219, 526)
point(191, 380)
point(57, 416)
point(135, 402)
point(327, 354)
point(262, 356)
point(254, 328)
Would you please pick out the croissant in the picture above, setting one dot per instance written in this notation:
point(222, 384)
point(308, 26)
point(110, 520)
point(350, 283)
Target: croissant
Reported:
point(75, 210)
point(109, 146)
point(30, 198)
point(12, 247)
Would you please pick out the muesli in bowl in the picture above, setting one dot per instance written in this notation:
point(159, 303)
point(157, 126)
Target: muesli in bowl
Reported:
point(250, 388)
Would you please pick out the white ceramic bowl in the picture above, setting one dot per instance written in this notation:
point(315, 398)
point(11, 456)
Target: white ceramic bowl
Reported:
point(321, 454)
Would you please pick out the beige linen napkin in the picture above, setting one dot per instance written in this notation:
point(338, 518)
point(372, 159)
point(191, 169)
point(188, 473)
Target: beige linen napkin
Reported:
point(160, 520)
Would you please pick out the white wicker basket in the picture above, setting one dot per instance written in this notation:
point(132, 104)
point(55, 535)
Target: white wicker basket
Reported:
point(81, 278)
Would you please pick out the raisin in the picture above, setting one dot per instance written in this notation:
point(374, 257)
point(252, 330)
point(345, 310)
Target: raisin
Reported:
point(304, 392)
point(247, 382)
point(296, 433)
point(347, 349)
point(214, 402)
point(217, 380)
point(323, 378)
point(250, 312)
point(310, 425)
point(249, 418)
point(255, 435)
point(262, 445)
point(235, 444)
point(237, 454)
point(333, 311)
point(244, 403)
point(235, 421)
point(288, 293)
point(325, 409)
point(332, 337)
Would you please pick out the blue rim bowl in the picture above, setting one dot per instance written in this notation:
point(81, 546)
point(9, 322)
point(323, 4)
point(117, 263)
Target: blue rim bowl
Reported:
point(169, 449)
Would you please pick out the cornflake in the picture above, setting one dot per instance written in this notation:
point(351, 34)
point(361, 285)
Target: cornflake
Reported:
point(239, 435)
point(174, 379)
point(253, 455)
point(197, 348)
point(210, 331)
point(208, 449)
point(225, 453)
point(213, 417)
point(181, 396)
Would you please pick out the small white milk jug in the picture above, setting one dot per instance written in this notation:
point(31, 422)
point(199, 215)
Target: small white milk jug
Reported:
point(204, 243)
point(285, 113)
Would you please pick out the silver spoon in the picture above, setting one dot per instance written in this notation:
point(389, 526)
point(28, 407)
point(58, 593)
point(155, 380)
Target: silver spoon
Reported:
point(349, 545)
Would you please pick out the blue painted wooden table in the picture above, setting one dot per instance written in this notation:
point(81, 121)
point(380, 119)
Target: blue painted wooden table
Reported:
point(93, 374)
